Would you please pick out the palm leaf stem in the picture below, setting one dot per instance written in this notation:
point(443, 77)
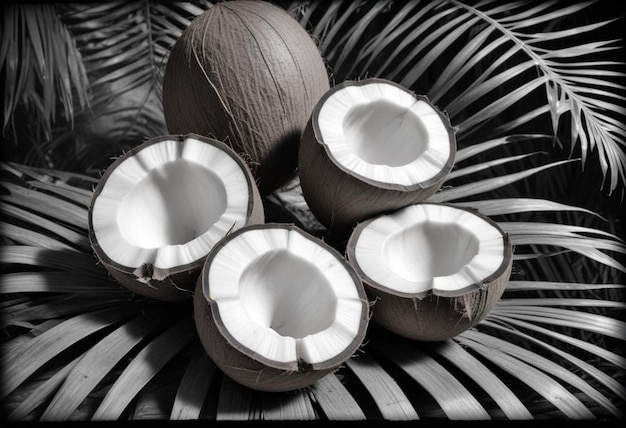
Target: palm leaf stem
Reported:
point(96, 363)
point(24, 361)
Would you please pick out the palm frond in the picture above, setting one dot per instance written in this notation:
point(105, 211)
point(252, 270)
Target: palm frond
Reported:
point(455, 399)
point(194, 386)
point(488, 184)
point(553, 285)
point(55, 282)
point(235, 403)
point(509, 324)
point(498, 57)
point(296, 406)
point(41, 393)
point(124, 46)
point(603, 379)
point(524, 365)
point(106, 74)
point(68, 261)
point(510, 404)
point(143, 367)
point(391, 401)
point(495, 207)
point(26, 359)
point(42, 69)
point(96, 363)
point(336, 402)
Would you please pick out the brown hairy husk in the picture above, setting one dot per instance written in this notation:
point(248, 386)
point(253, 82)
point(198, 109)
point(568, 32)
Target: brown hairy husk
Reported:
point(434, 315)
point(247, 73)
point(435, 318)
point(177, 283)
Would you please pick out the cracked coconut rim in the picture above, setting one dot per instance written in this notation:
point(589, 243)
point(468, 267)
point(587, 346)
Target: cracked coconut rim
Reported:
point(287, 300)
point(169, 203)
point(379, 131)
point(428, 247)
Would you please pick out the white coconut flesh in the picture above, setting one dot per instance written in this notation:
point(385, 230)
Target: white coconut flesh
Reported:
point(427, 247)
point(169, 203)
point(284, 297)
point(385, 134)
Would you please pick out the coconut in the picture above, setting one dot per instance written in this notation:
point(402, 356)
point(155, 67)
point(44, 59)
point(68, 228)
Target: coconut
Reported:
point(432, 270)
point(158, 210)
point(372, 146)
point(247, 73)
point(277, 309)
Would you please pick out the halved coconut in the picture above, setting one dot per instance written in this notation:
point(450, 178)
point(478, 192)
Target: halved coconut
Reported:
point(160, 208)
point(372, 146)
point(276, 308)
point(432, 270)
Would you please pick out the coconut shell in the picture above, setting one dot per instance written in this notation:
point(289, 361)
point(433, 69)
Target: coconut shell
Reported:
point(247, 73)
point(337, 197)
point(434, 318)
point(176, 283)
point(242, 368)
point(245, 366)
point(435, 315)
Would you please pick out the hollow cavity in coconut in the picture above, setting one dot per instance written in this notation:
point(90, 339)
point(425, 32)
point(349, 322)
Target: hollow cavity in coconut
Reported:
point(247, 73)
point(276, 308)
point(432, 270)
point(372, 146)
point(160, 208)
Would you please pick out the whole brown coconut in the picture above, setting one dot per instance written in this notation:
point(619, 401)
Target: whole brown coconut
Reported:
point(277, 309)
point(247, 73)
point(158, 210)
point(372, 146)
point(431, 270)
